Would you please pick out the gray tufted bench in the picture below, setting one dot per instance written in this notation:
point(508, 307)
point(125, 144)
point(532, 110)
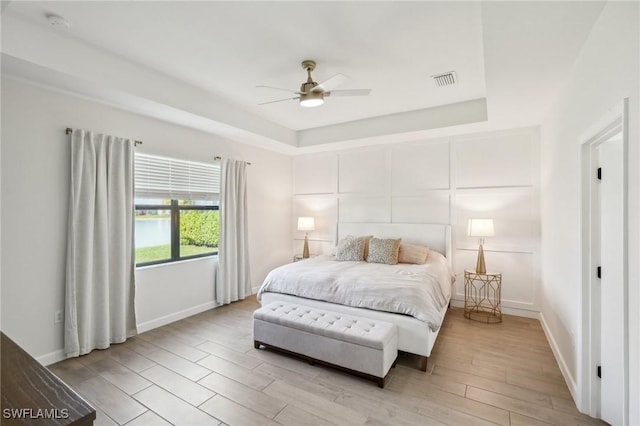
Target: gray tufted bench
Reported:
point(367, 347)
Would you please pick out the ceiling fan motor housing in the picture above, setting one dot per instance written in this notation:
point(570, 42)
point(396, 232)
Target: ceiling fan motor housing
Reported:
point(307, 86)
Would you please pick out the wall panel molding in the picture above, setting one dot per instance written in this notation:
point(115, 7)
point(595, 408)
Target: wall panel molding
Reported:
point(493, 175)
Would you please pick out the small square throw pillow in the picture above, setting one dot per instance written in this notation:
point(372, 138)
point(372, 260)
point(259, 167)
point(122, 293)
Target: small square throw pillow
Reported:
point(413, 253)
point(384, 250)
point(351, 248)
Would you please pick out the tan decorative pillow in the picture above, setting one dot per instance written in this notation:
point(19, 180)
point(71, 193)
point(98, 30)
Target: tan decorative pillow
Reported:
point(413, 253)
point(351, 248)
point(384, 250)
point(367, 240)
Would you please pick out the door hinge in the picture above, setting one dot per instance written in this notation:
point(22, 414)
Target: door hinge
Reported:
point(600, 372)
point(599, 173)
point(599, 272)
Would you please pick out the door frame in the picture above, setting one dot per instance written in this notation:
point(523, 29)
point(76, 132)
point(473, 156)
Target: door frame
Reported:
point(588, 401)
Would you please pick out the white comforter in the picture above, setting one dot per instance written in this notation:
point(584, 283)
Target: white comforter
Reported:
point(417, 290)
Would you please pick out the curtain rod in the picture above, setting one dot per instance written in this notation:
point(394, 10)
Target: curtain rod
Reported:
point(68, 131)
point(218, 158)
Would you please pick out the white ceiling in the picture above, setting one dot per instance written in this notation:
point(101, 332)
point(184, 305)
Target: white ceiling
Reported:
point(516, 55)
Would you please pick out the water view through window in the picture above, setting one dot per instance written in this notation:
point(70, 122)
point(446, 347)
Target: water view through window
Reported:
point(153, 235)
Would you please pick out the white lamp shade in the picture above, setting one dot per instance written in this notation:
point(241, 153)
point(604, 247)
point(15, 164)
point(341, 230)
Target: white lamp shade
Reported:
point(306, 224)
point(480, 228)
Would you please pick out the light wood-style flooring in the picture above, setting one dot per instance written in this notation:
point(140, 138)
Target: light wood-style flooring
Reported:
point(204, 370)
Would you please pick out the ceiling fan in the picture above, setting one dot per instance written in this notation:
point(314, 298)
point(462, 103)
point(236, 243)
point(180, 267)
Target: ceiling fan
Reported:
point(312, 94)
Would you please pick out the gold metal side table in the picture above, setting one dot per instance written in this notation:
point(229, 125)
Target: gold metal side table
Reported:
point(482, 296)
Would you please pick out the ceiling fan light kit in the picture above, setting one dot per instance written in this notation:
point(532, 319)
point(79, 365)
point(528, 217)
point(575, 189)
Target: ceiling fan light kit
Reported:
point(312, 94)
point(311, 99)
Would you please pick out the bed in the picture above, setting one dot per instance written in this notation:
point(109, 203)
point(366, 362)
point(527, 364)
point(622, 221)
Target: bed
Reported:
point(418, 326)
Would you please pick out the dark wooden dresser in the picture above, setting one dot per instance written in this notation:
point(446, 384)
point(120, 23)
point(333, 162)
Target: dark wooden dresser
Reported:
point(33, 395)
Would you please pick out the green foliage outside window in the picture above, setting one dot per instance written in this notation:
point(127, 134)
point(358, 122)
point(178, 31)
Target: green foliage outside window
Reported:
point(199, 228)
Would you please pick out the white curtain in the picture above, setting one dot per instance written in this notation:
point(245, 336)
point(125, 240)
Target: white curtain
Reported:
point(234, 275)
point(99, 305)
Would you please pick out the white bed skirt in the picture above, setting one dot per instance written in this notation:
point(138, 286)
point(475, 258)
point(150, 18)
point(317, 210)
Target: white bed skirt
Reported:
point(414, 336)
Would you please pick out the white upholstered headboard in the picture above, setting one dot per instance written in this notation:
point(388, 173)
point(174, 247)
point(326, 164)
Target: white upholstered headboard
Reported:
point(433, 235)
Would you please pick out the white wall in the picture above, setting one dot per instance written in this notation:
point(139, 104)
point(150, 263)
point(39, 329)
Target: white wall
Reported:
point(35, 181)
point(605, 72)
point(493, 175)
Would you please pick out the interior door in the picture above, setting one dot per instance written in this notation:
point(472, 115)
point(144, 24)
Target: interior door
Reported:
point(612, 329)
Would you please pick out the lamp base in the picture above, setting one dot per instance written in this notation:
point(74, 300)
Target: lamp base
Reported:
point(305, 251)
point(480, 266)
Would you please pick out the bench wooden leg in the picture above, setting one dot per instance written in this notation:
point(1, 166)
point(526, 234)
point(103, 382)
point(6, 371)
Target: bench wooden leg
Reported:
point(423, 363)
point(256, 344)
point(380, 382)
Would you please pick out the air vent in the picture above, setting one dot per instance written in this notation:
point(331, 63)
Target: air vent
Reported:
point(445, 79)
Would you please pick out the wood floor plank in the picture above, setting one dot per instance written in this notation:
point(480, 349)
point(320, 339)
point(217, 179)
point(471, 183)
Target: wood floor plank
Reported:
point(148, 419)
point(173, 409)
point(565, 405)
point(139, 345)
point(518, 392)
point(224, 352)
point(188, 369)
point(543, 414)
point(120, 376)
point(315, 404)
point(520, 420)
point(423, 379)
point(180, 386)
point(323, 389)
point(459, 403)
point(233, 371)
point(257, 401)
point(234, 414)
point(409, 402)
point(131, 359)
point(72, 371)
point(295, 416)
point(112, 401)
point(541, 385)
point(174, 345)
point(103, 420)
point(384, 411)
point(498, 374)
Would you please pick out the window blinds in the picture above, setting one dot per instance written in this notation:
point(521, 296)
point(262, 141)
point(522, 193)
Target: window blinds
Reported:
point(168, 178)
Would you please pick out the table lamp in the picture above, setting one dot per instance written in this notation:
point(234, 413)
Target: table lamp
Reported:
point(306, 224)
point(480, 228)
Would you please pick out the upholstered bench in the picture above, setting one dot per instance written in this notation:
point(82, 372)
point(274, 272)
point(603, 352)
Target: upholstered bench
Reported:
point(363, 346)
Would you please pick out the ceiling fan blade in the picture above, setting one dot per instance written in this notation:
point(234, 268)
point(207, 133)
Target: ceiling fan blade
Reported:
point(279, 88)
point(329, 84)
point(279, 100)
point(348, 92)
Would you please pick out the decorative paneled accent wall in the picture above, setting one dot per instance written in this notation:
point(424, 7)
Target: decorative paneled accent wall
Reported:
point(491, 175)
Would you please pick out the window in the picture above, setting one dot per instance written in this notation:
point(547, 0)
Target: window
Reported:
point(176, 209)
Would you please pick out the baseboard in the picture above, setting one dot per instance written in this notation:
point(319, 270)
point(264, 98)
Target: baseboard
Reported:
point(59, 355)
point(175, 316)
point(568, 378)
point(52, 357)
point(508, 310)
